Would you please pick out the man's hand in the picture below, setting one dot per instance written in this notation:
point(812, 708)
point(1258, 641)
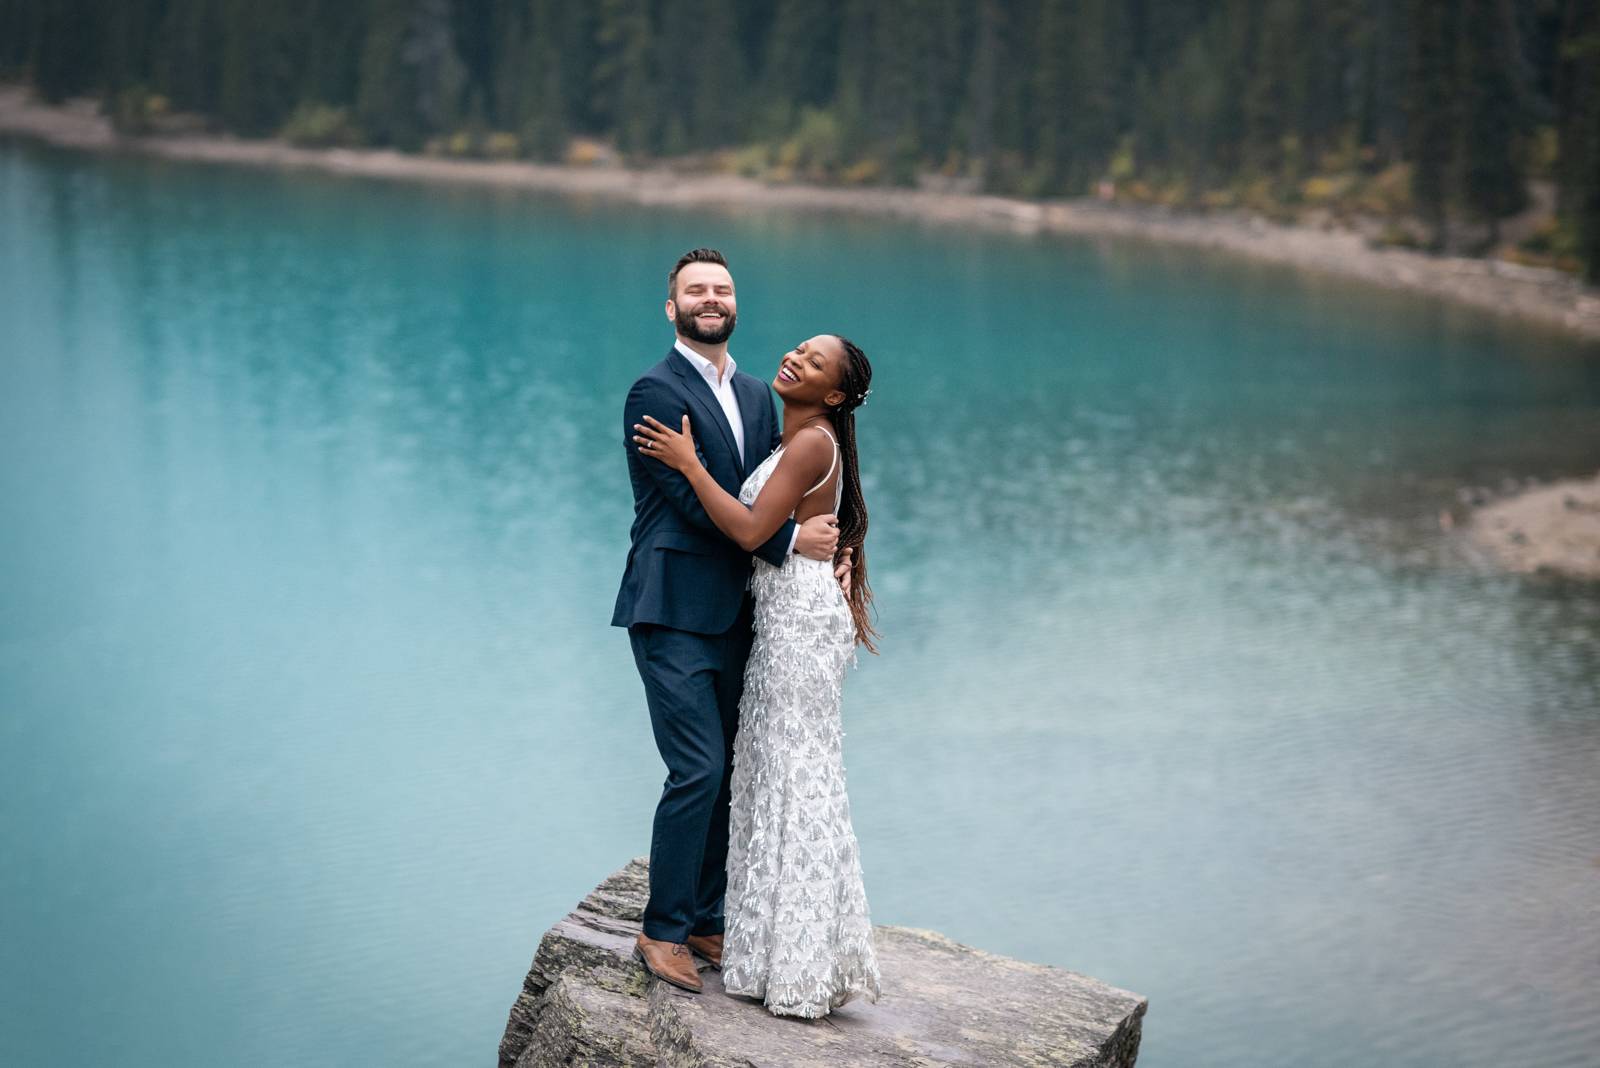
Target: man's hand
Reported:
point(818, 537)
point(842, 573)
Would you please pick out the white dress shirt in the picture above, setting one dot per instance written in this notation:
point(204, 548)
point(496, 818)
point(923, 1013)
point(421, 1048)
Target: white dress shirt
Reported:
point(723, 390)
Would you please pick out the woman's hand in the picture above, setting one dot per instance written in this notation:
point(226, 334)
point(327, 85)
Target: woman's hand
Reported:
point(671, 447)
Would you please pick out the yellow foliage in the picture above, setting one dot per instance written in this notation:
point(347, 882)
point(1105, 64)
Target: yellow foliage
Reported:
point(587, 152)
point(1121, 166)
point(1257, 195)
point(1324, 188)
point(862, 173)
point(502, 145)
point(1386, 193)
point(751, 161)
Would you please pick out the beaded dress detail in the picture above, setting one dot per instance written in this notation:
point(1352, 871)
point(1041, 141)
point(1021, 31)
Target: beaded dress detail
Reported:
point(797, 931)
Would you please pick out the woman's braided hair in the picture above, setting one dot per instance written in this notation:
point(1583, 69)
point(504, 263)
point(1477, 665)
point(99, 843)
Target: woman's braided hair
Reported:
point(855, 384)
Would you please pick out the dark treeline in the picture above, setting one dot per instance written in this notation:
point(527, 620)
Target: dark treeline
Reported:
point(1444, 110)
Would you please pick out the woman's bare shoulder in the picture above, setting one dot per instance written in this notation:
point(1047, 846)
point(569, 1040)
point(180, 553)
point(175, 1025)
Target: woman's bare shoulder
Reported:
point(810, 450)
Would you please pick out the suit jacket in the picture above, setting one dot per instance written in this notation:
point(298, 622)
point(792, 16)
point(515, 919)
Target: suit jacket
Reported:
point(683, 572)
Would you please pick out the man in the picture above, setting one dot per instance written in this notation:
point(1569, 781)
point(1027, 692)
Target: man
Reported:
point(685, 602)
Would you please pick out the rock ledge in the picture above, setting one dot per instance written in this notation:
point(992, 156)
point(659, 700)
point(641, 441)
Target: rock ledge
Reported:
point(1552, 529)
point(587, 1001)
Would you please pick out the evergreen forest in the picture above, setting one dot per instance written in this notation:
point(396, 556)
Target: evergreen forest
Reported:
point(1451, 115)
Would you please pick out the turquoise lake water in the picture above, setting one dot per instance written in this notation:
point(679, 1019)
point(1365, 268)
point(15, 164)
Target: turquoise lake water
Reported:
point(315, 507)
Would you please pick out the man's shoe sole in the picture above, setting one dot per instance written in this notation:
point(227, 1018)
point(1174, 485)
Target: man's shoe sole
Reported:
point(639, 955)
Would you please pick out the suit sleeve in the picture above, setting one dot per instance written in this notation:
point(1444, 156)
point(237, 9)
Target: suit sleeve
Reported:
point(649, 398)
point(776, 549)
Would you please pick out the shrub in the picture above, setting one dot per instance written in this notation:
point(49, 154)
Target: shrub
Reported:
point(1395, 235)
point(1553, 244)
point(314, 125)
point(502, 145)
point(134, 111)
point(866, 171)
point(815, 148)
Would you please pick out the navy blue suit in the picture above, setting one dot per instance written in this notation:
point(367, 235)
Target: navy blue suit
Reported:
point(683, 599)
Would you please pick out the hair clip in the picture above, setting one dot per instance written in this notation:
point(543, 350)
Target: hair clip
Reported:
point(863, 399)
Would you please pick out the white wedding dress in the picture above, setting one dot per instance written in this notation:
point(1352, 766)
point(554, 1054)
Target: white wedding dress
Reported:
point(797, 932)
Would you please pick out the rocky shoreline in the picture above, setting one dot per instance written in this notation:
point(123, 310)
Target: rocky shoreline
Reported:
point(1553, 529)
point(1536, 295)
point(587, 1001)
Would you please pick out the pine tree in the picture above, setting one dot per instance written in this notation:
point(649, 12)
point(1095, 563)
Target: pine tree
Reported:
point(1382, 35)
point(1267, 102)
point(187, 66)
point(262, 64)
point(856, 76)
point(64, 59)
point(411, 76)
point(698, 54)
point(1052, 94)
point(1099, 54)
point(382, 104)
point(1431, 93)
point(800, 62)
point(983, 88)
point(1577, 102)
point(528, 82)
point(16, 36)
point(439, 74)
point(1491, 181)
point(1588, 210)
point(129, 30)
point(331, 70)
point(624, 79)
point(897, 43)
point(942, 37)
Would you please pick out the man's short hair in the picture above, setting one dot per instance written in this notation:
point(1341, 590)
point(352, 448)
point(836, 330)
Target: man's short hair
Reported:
point(698, 255)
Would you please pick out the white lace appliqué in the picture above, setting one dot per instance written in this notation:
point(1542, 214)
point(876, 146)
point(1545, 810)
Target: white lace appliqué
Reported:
point(798, 935)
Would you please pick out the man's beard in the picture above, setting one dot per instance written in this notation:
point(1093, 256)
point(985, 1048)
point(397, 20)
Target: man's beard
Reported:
point(690, 327)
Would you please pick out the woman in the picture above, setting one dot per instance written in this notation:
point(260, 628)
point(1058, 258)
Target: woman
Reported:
point(798, 935)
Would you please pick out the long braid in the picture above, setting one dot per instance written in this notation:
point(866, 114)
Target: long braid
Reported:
point(855, 384)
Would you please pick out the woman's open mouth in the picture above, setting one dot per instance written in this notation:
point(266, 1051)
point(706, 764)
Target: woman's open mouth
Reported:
point(787, 375)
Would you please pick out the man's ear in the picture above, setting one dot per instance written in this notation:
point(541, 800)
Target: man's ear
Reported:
point(672, 311)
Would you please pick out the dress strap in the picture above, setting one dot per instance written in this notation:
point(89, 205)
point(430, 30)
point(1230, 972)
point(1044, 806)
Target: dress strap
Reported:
point(831, 464)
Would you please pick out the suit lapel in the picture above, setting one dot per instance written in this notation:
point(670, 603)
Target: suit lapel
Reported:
point(754, 404)
point(709, 407)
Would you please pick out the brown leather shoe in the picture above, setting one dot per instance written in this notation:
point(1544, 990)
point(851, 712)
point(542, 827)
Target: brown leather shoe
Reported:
point(709, 947)
point(668, 961)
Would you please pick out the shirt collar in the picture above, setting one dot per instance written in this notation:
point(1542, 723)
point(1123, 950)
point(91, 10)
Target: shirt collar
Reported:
point(707, 370)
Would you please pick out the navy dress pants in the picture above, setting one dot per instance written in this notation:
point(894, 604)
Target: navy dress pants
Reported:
point(692, 684)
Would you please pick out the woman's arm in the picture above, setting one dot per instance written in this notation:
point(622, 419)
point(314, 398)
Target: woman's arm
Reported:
point(801, 465)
